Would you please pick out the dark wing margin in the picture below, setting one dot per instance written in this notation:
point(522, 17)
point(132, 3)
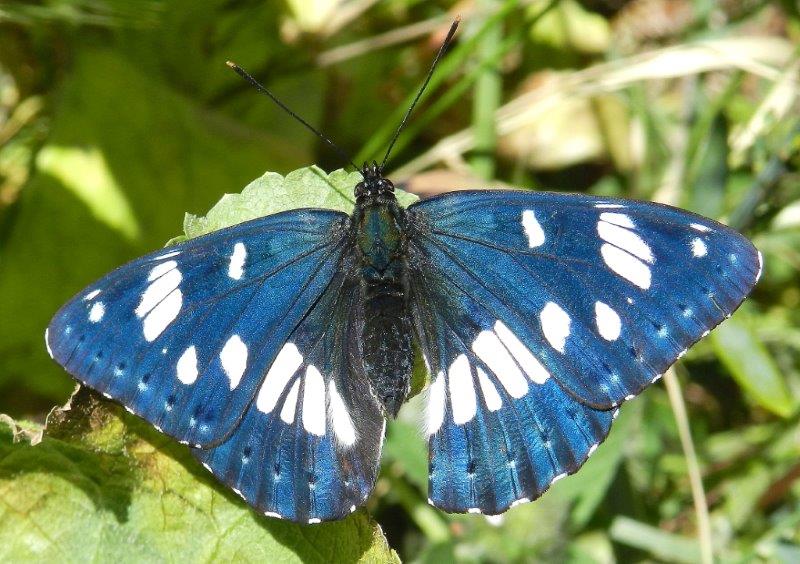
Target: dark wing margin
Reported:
point(309, 446)
point(183, 337)
point(538, 314)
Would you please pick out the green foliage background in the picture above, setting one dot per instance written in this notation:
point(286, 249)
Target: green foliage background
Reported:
point(117, 117)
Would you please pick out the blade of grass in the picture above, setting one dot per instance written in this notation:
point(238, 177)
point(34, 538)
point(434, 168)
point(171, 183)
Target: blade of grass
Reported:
point(692, 465)
point(371, 44)
point(774, 108)
point(665, 546)
point(488, 92)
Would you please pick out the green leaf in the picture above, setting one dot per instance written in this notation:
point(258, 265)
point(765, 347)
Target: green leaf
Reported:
point(103, 485)
point(751, 364)
point(662, 545)
point(309, 187)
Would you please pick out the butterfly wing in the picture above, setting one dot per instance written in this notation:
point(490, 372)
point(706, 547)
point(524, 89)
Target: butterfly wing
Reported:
point(539, 313)
point(501, 430)
point(308, 448)
point(183, 337)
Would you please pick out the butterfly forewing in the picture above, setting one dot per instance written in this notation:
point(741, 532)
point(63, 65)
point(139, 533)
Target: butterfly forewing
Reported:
point(606, 294)
point(309, 445)
point(183, 337)
point(539, 313)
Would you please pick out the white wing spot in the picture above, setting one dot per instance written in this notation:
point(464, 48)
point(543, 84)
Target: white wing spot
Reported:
point(159, 288)
point(520, 501)
point(91, 295)
point(314, 521)
point(760, 266)
point(555, 325)
point(233, 358)
point(624, 239)
point(97, 312)
point(314, 402)
point(529, 363)
point(532, 228)
point(236, 265)
point(490, 395)
point(290, 403)
point(608, 322)
point(495, 520)
point(168, 255)
point(162, 315)
point(626, 265)
point(591, 450)
point(474, 510)
point(462, 390)
point(609, 206)
point(187, 366)
point(617, 219)
point(699, 248)
point(559, 477)
point(491, 351)
point(340, 418)
point(434, 412)
point(47, 342)
point(699, 227)
point(283, 368)
point(160, 269)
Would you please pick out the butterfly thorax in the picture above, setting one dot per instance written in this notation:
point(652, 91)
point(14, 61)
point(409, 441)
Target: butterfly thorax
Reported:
point(377, 224)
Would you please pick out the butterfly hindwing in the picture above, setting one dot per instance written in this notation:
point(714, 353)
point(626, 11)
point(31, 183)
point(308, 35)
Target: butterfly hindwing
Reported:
point(605, 293)
point(539, 313)
point(501, 430)
point(309, 445)
point(183, 336)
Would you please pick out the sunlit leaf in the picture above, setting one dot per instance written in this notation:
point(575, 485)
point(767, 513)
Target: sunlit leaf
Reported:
point(751, 364)
point(105, 485)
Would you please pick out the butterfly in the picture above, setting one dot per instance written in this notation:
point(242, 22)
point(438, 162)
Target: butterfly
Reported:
point(278, 348)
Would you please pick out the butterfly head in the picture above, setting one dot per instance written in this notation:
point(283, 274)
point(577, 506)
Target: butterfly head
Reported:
point(373, 183)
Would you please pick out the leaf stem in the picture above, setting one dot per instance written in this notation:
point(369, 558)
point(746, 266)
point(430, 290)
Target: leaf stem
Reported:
point(692, 466)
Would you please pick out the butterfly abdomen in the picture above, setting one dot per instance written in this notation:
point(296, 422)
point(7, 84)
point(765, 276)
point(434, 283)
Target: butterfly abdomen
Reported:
point(386, 332)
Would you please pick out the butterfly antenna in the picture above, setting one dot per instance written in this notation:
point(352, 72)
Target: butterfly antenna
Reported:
point(261, 88)
point(441, 52)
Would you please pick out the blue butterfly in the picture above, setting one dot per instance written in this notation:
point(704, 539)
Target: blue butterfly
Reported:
point(277, 348)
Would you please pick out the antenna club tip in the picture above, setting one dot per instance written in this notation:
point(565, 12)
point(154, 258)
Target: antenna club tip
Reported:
point(231, 64)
